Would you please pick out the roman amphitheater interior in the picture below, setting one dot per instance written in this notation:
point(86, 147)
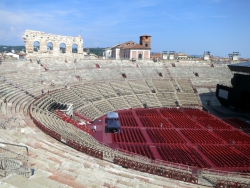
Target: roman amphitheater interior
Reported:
point(42, 148)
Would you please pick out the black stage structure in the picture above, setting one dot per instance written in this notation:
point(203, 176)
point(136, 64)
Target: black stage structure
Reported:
point(112, 123)
point(236, 97)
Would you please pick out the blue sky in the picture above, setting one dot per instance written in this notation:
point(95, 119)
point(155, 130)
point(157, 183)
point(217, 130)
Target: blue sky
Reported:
point(189, 26)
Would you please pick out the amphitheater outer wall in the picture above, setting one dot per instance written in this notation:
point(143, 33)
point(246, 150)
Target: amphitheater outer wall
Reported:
point(43, 39)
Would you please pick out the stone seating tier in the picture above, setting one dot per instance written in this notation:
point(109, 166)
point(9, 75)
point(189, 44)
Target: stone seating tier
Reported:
point(28, 76)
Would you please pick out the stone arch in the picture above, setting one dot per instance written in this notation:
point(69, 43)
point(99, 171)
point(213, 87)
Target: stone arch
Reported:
point(62, 47)
point(36, 46)
point(49, 46)
point(74, 48)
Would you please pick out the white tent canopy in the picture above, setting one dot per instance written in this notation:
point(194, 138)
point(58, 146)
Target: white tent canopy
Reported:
point(113, 115)
point(13, 55)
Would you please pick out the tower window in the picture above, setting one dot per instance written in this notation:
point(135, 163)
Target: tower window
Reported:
point(146, 44)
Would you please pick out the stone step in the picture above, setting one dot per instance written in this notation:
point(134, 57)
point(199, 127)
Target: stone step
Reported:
point(75, 167)
point(6, 185)
point(3, 108)
point(21, 182)
point(46, 182)
point(39, 180)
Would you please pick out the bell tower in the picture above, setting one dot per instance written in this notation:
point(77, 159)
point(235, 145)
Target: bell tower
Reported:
point(145, 40)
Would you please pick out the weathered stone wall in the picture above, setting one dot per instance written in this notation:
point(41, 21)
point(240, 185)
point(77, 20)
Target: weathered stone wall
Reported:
point(32, 36)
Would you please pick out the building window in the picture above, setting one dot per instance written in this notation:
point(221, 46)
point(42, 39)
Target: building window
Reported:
point(146, 44)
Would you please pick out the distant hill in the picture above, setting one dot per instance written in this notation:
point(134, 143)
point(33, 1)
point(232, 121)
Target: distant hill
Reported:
point(196, 56)
point(5, 48)
point(98, 51)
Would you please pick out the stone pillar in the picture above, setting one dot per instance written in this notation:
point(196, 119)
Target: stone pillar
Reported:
point(56, 48)
point(68, 48)
point(79, 45)
point(43, 47)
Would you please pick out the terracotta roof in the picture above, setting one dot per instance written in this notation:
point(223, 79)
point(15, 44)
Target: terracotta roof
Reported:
point(130, 45)
point(156, 55)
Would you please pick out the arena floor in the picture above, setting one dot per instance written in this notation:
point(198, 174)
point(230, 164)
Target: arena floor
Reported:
point(184, 136)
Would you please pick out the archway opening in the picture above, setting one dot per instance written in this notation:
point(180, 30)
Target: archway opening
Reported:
point(74, 48)
point(140, 56)
point(62, 48)
point(36, 46)
point(49, 47)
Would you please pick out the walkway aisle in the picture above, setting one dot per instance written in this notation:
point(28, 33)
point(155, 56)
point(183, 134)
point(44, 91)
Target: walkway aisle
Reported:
point(147, 137)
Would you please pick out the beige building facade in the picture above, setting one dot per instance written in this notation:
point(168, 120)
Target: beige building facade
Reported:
point(133, 50)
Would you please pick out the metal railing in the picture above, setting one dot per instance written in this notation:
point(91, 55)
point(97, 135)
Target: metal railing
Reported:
point(14, 160)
